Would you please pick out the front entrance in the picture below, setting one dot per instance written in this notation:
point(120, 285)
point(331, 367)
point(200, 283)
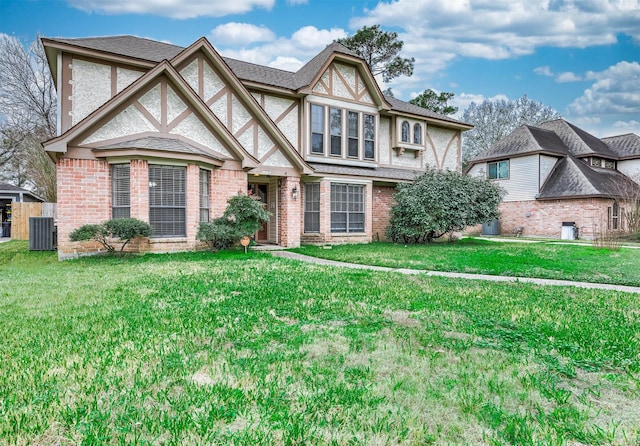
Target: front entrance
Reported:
point(262, 192)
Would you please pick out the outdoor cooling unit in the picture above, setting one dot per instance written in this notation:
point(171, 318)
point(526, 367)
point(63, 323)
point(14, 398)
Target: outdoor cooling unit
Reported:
point(41, 234)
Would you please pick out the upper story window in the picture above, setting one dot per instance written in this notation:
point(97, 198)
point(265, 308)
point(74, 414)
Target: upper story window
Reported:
point(498, 170)
point(601, 162)
point(369, 136)
point(335, 129)
point(417, 134)
point(352, 151)
point(405, 131)
point(317, 129)
point(346, 133)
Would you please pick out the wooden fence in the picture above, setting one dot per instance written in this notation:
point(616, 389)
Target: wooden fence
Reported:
point(20, 213)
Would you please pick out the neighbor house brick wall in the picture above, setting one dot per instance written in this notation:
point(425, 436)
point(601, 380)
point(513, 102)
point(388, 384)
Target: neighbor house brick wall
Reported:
point(382, 203)
point(544, 218)
point(84, 197)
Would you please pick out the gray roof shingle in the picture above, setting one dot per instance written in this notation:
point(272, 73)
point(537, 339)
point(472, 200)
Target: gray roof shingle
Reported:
point(579, 142)
point(525, 140)
point(387, 173)
point(625, 146)
point(573, 178)
point(163, 144)
point(153, 51)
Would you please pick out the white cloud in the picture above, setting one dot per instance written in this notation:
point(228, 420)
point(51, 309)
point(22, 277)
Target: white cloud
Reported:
point(177, 9)
point(543, 71)
point(616, 91)
point(234, 33)
point(303, 44)
point(502, 29)
point(297, 2)
point(631, 126)
point(567, 76)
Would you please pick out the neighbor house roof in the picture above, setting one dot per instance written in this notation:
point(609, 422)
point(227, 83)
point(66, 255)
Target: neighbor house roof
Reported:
point(10, 189)
point(625, 146)
point(573, 178)
point(153, 51)
point(579, 142)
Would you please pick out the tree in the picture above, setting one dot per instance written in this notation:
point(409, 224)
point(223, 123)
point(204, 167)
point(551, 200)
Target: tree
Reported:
point(493, 120)
point(28, 116)
point(433, 101)
point(243, 216)
point(441, 202)
point(380, 51)
point(122, 229)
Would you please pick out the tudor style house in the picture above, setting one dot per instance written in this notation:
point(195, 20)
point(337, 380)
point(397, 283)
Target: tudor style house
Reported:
point(557, 173)
point(167, 134)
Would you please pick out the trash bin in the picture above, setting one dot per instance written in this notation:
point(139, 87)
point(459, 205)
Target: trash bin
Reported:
point(6, 229)
point(568, 230)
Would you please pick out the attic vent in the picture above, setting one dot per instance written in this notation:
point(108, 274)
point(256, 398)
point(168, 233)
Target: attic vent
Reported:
point(41, 234)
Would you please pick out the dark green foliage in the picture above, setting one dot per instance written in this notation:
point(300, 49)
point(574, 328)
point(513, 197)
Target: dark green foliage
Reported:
point(380, 51)
point(218, 234)
point(433, 101)
point(121, 229)
point(243, 216)
point(441, 202)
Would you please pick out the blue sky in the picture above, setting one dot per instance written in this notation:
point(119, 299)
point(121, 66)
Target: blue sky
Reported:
point(581, 57)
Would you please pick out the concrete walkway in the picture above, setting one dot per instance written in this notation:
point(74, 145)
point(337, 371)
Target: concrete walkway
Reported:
point(601, 286)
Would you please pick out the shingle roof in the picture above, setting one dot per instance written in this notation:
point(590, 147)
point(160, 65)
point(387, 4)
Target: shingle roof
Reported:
point(163, 144)
point(573, 178)
point(525, 140)
point(625, 146)
point(153, 51)
point(375, 172)
point(579, 142)
point(11, 189)
point(407, 107)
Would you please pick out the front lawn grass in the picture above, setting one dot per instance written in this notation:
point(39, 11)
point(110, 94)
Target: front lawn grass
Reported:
point(548, 260)
point(228, 348)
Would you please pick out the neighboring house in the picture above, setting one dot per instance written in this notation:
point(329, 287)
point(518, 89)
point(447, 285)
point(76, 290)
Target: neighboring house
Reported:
point(557, 173)
point(9, 194)
point(167, 134)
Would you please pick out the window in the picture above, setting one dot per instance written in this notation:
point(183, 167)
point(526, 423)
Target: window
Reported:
point(167, 200)
point(347, 208)
point(417, 134)
point(312, 207)
point(205, 184)
point(405, 131)
point(353, 135)
point(120, 191)
point(317, 129)
point(369, 136)
point(613, 216)
point(499, 170)
point(335, 126)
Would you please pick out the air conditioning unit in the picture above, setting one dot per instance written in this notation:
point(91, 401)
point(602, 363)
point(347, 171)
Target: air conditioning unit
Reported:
point(42, 236)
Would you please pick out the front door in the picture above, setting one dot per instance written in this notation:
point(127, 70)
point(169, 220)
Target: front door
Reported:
point(262, 192)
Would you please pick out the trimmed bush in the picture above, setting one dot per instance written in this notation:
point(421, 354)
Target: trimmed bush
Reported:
point(243, 216)
point(120, 229)
point(441, 202)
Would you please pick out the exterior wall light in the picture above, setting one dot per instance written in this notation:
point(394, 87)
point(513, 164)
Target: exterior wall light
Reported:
point(294, 192)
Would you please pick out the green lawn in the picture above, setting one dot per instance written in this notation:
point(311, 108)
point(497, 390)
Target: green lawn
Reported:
point(228, 348)
point(548, 260)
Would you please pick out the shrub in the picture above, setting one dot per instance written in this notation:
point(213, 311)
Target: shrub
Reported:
point(243, 216)
point(218, 234)
point(441, 202)
point(121, 229)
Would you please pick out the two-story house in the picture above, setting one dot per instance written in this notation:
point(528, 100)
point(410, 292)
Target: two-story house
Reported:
point(167, 134)
point(557, 173)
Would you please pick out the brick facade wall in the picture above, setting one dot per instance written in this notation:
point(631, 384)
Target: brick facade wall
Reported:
point(382, 203)
point(84, 197)
point(544, 218)
point(289, 212)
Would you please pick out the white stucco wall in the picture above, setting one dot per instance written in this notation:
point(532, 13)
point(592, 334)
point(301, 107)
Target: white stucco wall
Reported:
point(125, 78)
point(151, 101)
point(445, 148)
point(130, 122)
point(91, 87)
point(192, 128)
point(384, 141)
